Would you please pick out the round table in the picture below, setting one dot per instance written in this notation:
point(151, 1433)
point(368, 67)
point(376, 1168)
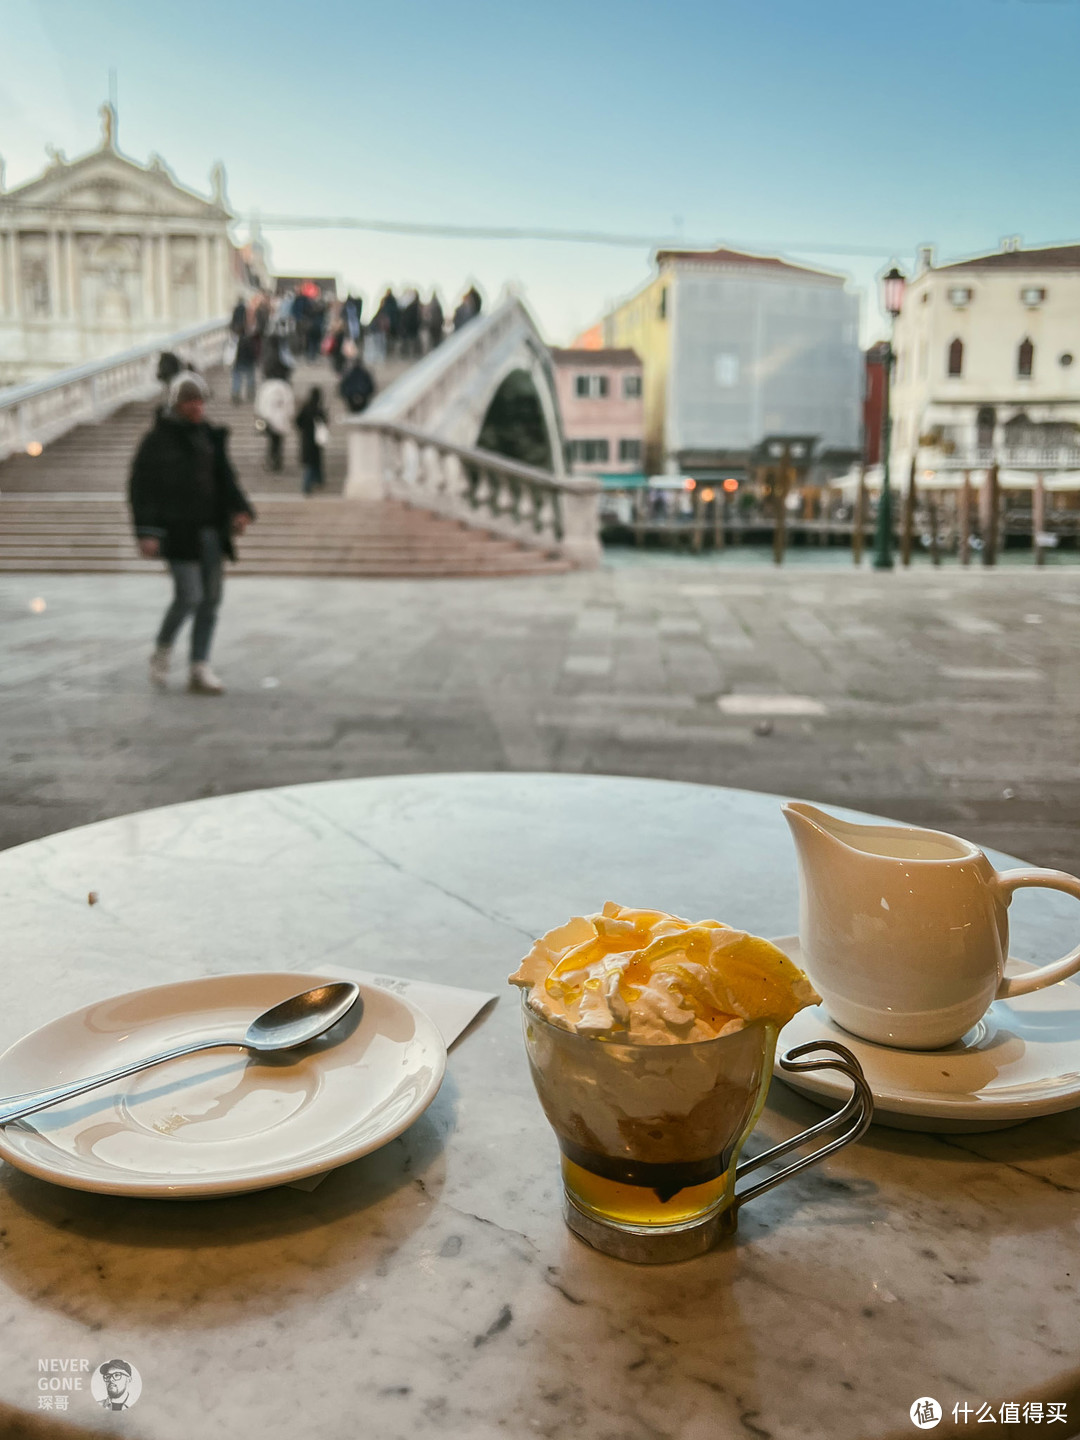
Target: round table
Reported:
point(431, 1289)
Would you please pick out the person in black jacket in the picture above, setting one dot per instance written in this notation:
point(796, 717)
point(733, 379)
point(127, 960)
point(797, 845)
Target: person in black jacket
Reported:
point(357, 386)
point(312, 422)
point(186, 505)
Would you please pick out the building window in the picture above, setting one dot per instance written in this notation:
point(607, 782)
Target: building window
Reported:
point(588, 452)
point(956, 358)
point(630, 450)
point(591, 387)
point(959, 296)
point(727, 370)
point(1032, 295)
point(631, 387)
point(663, 303)
point(1025, 359)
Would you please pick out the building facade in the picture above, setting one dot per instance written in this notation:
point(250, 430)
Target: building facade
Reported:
point(739, 347)
point(100, 254)
point(601, 401)
point(988, 362)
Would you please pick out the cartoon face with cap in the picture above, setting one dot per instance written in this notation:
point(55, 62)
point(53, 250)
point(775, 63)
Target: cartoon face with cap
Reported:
point(117, 1375)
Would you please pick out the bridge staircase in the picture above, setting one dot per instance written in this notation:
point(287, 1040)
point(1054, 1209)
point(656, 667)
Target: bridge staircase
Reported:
point(63, 509)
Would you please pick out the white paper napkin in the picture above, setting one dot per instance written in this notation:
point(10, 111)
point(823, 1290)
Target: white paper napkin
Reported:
point(451, 1008)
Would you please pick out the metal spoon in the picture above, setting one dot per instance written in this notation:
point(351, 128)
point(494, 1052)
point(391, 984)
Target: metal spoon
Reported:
point(284, 1026)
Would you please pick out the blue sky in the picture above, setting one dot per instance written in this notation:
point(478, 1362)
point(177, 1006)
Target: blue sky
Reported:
point(760, 122)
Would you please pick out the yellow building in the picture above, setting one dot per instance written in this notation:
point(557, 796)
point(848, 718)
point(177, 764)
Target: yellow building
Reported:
point(640, 324)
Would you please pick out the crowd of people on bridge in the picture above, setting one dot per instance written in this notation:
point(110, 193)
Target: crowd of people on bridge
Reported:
point(272, 333)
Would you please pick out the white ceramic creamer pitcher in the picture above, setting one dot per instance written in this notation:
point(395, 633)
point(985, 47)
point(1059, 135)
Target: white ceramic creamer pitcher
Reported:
point(905, 932)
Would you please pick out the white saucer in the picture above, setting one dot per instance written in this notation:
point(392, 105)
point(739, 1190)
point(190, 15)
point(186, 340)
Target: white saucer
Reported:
point(224, 1121)
point(1021, 1060)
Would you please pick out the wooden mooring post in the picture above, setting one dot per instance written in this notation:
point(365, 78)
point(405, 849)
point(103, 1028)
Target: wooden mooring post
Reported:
point(1038, 520)
point(858, 530)
point(909, 518)
point(780, 493)
point(965, 519)
point(991, 511)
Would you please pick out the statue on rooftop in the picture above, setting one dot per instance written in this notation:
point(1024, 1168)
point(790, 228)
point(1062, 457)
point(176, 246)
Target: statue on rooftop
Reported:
point(108, 126)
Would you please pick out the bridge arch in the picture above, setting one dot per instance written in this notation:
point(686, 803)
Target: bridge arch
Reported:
point(496, 360)
point(473, 430)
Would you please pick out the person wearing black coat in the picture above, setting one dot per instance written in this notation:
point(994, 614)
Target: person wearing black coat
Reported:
point(312, 421)
point(357, 387)
point(186, 505)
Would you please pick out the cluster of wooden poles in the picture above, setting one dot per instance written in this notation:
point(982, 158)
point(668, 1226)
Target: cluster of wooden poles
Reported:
point(989, 499)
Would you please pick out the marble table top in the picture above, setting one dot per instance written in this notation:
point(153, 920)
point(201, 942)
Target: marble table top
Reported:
point(431, 1289)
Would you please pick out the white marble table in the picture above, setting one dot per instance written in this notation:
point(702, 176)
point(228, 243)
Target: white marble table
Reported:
point(431, 1290)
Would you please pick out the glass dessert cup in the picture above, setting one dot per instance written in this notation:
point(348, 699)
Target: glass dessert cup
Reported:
point(650, 1135)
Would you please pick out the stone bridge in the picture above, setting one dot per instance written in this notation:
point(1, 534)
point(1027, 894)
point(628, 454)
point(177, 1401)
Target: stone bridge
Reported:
point(472, 431)
point(458, 464)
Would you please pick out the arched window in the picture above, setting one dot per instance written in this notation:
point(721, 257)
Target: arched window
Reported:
point(956, 357)
point(1025, 359)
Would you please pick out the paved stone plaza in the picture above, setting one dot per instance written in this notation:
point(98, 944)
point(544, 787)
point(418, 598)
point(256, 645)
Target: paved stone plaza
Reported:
point(947, 697)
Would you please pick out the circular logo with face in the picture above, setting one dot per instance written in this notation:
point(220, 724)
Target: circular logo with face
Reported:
point(116, 1385)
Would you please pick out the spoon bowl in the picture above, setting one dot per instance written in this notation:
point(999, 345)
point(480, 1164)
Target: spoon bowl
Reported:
point(301, 1018)
point(285, 1026)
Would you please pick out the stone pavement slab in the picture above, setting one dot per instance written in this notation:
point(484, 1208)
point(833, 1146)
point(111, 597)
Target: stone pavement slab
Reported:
point(949, 699)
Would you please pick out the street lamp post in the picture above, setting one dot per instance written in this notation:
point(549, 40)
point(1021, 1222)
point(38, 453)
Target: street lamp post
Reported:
point(894, 299)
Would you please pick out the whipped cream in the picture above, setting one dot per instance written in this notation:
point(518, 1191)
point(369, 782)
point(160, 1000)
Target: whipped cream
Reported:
point(649, 978)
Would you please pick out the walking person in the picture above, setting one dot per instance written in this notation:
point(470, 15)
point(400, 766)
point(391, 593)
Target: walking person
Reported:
point(314, 426)
point(357, 386)
point(186, 505)
point(243, 369)
point(433, 321)
point(275, 406)
point(409, 325)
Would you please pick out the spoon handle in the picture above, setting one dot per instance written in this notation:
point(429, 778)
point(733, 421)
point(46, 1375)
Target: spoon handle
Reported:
point(15, 1106)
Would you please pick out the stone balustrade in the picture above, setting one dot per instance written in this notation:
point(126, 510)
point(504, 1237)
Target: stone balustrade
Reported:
point(42, 411)
point(559, 515)
point(1016, 457)
point(417, 440)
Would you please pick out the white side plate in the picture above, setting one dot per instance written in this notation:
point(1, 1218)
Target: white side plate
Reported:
point(1021, 1060)
point(220, 1122)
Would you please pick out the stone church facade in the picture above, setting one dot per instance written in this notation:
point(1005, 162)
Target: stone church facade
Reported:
point(101, 254)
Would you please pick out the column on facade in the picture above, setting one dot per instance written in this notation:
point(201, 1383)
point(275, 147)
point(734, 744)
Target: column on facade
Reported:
point(203, 272)
point(56, 307)
point(15, 305)
point(146, 256)
point(221, 270)
point(164, 291)
point(71, 267)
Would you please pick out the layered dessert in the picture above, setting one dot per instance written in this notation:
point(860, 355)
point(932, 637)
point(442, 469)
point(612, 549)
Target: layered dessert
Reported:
point(651, 1040)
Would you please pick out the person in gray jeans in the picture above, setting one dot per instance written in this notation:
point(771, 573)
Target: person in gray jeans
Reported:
point(186, 505)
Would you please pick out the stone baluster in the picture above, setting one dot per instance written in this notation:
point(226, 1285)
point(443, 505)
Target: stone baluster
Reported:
point(581, 525)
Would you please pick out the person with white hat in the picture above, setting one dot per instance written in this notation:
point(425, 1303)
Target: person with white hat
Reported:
point(186, 506)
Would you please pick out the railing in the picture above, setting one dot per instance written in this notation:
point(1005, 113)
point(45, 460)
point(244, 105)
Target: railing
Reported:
point(38, 413)
point(1017, 457)
point(487, 491)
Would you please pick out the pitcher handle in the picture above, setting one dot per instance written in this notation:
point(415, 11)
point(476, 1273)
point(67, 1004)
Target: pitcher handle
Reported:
point(855, 1117)
point(1056, 970)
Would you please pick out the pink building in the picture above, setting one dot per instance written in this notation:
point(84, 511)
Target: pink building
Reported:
point(600, 396)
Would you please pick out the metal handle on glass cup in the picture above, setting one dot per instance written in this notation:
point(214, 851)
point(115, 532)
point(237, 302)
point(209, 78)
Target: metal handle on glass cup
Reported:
point(856, 1115)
